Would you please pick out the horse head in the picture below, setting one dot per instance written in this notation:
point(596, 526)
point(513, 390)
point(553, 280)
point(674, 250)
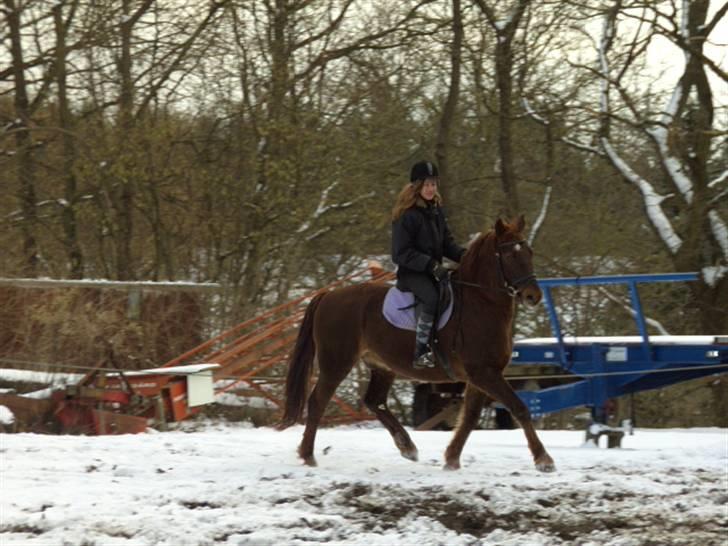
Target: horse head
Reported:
point(515, 261)
point(503, 260)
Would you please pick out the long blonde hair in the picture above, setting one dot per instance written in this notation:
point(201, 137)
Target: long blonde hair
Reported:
point(408, 197)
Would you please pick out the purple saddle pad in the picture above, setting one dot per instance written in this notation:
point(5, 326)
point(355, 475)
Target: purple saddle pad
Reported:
point(396, 300)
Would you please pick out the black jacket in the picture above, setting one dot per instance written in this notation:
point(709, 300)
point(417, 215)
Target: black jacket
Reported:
point(420, 236)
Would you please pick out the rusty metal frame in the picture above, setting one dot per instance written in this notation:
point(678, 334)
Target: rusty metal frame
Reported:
point(265, 341)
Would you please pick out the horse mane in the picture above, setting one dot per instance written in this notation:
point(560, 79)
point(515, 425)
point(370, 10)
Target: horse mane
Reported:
point(469, 262)
point(472, 259)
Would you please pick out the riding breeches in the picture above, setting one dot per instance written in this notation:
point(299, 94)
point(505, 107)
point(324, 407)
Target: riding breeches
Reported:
point(423, 286)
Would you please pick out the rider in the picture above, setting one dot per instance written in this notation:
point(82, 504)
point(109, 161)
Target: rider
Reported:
point(420, 239)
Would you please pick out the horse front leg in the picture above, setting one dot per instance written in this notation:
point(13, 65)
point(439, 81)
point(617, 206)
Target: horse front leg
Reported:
point(376, 400)
point(473, 403)
point(493, 383)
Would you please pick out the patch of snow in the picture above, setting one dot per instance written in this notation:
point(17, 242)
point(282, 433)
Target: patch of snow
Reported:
point(188, 369)
point(44, 378)
point(713, 274)
point(42, 394)
point(236, 485)
point(6, 416)
point(232, 399)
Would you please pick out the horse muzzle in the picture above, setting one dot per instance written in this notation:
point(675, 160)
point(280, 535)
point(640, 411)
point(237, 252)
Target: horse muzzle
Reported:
point(530, 293)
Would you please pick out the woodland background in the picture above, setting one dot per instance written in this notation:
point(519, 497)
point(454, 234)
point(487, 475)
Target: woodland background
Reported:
point(260, 144)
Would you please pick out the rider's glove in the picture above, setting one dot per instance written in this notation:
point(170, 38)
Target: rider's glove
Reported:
point(438, 271)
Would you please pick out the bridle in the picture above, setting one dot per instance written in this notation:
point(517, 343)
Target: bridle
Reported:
point(512, 287)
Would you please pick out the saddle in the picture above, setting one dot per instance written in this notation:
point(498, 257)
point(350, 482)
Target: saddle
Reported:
point(399, 308)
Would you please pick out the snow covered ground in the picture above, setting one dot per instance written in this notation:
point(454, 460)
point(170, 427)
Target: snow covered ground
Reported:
point(232, 484)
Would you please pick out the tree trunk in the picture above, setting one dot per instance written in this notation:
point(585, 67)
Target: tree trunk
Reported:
point(65, 121)
point(694, 133)
point(123, 200)
point(25, 162)
point(504, 82)
point(505, 31)
point(444, 137)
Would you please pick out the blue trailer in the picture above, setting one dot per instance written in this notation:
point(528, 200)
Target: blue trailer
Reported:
point(603, 368)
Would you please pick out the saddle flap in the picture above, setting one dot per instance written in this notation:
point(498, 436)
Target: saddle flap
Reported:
point(399, 309)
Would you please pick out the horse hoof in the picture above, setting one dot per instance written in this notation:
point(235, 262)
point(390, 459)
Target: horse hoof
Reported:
point(310, 461)
point(451, 465)
point(410, 454)
point(546, 465)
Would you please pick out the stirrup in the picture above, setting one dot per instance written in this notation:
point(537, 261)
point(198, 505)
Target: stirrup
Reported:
point(425, 360)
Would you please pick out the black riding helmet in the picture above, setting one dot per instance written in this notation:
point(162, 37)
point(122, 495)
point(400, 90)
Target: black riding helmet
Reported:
point(422, 170)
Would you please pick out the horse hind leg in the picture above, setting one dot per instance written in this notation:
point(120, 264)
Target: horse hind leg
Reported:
point(330, 376)
point(497, 387)
point(376, 400)
point(470, 411)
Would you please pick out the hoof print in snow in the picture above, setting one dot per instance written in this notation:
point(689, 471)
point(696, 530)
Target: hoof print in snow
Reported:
point(197, 505)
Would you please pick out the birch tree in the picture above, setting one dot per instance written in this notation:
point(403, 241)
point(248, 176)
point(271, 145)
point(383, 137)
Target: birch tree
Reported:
point(670, 155)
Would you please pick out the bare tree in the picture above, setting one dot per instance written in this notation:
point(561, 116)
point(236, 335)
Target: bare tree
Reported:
point(680, 190)
point(447, 118)
point(505, 27)
point(23, 108)
point(66, 124)
point(154, 46)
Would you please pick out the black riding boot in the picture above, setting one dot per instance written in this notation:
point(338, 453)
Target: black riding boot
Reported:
point(423, 354)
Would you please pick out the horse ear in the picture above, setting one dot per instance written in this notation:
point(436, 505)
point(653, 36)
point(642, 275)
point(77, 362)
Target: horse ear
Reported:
point(500, 227)
point(521, 223)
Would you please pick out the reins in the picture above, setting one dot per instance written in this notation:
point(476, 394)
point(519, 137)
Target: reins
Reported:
point(456, 281)
point(509, 287)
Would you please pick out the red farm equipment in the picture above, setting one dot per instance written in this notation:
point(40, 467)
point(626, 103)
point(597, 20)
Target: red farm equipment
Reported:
point(126, 402)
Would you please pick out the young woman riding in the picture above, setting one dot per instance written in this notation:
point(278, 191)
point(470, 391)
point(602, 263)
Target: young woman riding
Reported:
point(420, 240)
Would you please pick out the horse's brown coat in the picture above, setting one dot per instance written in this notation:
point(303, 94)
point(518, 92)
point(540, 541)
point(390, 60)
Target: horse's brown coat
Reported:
point(347, 324)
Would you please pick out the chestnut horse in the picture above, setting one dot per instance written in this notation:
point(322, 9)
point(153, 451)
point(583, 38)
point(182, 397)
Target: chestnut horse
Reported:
point(346, 324)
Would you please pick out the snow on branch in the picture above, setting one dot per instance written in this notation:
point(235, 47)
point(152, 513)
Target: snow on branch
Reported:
point(684, 32)
point(713, 274)
point(569, 142)
point(532, 113)
point(652, 322)
point(581, 146)
point(322, 207)
point(659, 134)
point(720, 231)
point(722, 177)
point(541, 216)
point(651, 198)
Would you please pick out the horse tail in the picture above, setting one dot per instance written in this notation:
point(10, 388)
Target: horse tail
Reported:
point(300, 368)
